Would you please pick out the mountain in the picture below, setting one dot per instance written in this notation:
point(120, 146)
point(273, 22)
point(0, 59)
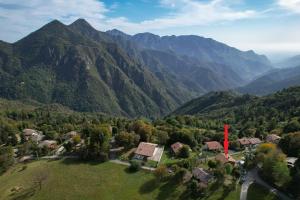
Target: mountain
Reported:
point(243, 109)
point(290, 62)
point(57, 64)
point(246, 64)
point(273, 81)
point(112, 72)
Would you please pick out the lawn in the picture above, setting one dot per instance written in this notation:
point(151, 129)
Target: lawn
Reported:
point(75, 180)
point(220, 193)
point(256, 191)
point(238, 156)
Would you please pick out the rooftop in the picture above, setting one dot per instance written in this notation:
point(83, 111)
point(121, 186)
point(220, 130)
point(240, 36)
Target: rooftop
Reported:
point(213, 145)
point(146, 149)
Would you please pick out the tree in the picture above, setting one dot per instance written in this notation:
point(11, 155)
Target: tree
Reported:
point(162, 137)
point(281, 174)
point(292, 126)
point(134, 166)
point(212, 164)
point(126, 139)
point(76, 139)
point(161, 172)
point(184, 152)
point(6, 158)
point(290, 144)
point(228, 168)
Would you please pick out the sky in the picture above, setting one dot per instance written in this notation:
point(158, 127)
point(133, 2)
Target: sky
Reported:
point(270, 27)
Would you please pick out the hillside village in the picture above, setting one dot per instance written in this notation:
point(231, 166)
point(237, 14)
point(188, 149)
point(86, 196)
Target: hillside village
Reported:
point(200, 166)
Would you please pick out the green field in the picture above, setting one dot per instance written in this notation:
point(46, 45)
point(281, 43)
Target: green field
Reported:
point(74, 180)
point(256, 191)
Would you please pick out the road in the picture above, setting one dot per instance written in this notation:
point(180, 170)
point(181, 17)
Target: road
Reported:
point(252, 176)
point(128, 164)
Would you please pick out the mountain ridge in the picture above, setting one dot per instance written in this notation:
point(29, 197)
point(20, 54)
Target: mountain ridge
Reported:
point(88, 70)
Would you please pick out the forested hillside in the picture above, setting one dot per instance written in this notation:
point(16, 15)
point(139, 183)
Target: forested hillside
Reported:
point(112, 72)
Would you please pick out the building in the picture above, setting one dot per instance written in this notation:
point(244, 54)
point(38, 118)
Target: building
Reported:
point(291, 161)
point(148, 151)
point(176, 147)
point(201, 175)
point(255, 141)
point(273, 138)
point(249, 142)
point(244, 142)
point(70, 135)
point(50, 144)
point(34, 135)
point(213, 146)
point(221, 157)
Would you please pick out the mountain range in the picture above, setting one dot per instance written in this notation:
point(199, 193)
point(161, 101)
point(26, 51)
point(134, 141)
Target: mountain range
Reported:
point(273, 81)
point(229, 105)
point(118, 74)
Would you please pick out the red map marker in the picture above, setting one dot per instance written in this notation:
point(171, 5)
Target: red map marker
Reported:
point(226, 140)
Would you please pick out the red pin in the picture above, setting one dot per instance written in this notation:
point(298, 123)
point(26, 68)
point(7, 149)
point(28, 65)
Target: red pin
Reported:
point(226, 140)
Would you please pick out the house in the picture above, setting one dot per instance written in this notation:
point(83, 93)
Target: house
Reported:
point(176, 147)
point(273, 138)
point(249, 142)
point(244, 142)
point(50, 144)
point(255, 141)
point(31, 134)
point(221, 157)
point(201, 175)
point(148, 151)
point(70, 135)
point(213, 146)
point(291, 161)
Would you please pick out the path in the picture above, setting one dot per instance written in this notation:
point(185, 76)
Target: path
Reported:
point(128, 164)
point(252, 176)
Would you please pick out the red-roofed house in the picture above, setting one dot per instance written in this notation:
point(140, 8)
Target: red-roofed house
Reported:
point(148, 151)
point(213, 146)
point(221, 157)
point(255, 141)
point(176, 147)
point(273, 138)
point(244, 142)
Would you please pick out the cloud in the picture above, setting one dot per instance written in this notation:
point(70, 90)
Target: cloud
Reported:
point(18, 18)
point(185, 13)
point(293, 5)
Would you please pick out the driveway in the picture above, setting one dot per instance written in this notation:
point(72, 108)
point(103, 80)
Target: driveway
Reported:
point(252, 176)
point(120, 162)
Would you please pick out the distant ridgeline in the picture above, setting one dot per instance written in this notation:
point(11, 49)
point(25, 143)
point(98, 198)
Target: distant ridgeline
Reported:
point(118, 74)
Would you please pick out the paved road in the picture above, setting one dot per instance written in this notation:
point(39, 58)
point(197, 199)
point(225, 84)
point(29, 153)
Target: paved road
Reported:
point(252, 176)
point(128, 164)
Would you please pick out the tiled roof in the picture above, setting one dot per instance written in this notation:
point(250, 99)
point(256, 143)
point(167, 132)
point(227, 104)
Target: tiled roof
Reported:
point(201, 175)
point(244, 141)
point(214, 145)
point(272, 138)
point(176, 146)
point(146, 149)
point(222, 158)
point(255, 141)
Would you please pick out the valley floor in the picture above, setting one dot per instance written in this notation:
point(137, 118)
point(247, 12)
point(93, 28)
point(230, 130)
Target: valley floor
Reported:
point(68, 179)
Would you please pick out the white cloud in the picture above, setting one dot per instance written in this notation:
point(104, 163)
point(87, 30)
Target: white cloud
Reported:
point(185, 13)
point(32, 14)
point(18, 18)
point(293, 5)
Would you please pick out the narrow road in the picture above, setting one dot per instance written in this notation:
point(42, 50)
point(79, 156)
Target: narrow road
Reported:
point(120, 162)
point(252, 176)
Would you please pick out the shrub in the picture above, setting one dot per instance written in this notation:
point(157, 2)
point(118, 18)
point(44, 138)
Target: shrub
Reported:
point(134, 166)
